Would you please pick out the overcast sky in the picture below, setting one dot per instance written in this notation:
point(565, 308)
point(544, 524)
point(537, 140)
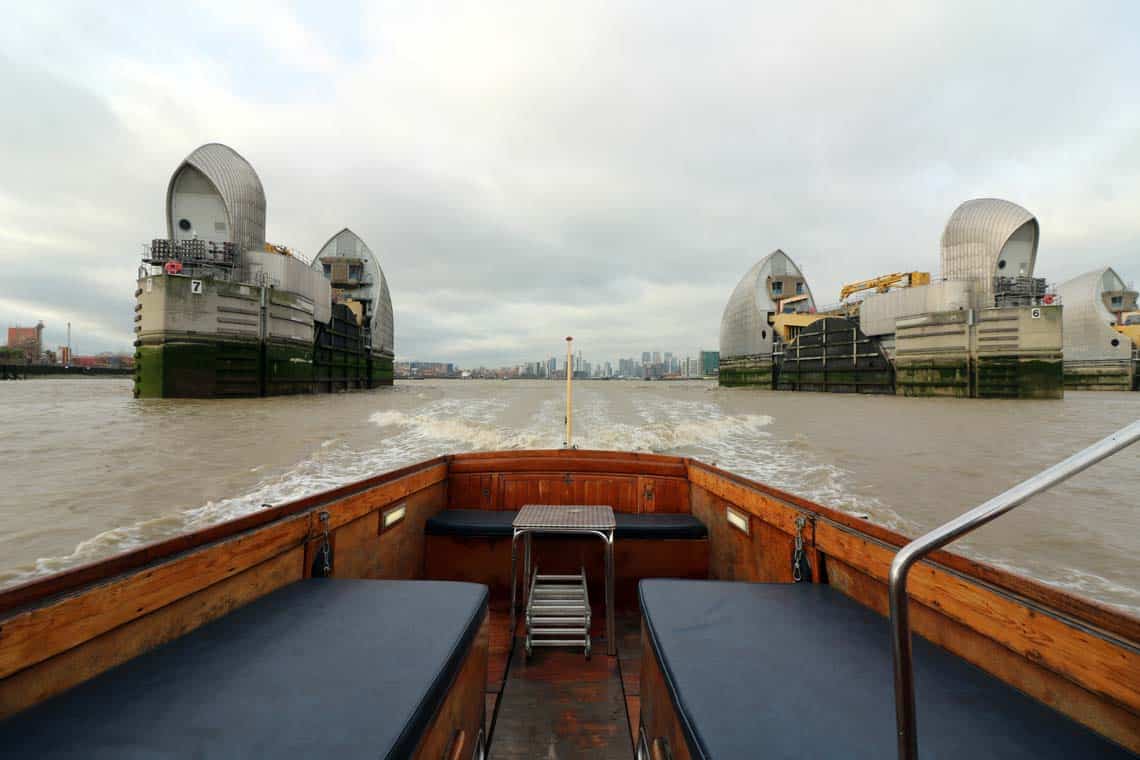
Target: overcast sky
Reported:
point(532, 170)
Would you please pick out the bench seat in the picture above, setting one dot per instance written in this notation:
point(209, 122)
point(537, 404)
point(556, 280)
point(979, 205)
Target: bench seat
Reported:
point(483, 523)
point(783, 671)
point(319, 668)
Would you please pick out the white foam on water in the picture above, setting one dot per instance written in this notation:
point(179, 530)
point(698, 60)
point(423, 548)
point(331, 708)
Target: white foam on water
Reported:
point(737, 442)
point(1076, 581)
point(390, 418)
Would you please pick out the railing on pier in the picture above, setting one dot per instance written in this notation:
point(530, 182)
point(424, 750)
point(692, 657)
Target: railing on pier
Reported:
point(190, 252)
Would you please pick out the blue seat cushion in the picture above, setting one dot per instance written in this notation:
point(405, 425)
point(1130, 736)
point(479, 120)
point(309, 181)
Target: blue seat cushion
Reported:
point(319, 668)
point(484, 523)
point(474, 523)
point(791, 671)
point(663, 525)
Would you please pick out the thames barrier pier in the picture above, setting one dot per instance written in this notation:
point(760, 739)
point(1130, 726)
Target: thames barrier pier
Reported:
point(773, 286)
point(994, 331)
point(221, 312)
point(1102, 332)
point(987, 328)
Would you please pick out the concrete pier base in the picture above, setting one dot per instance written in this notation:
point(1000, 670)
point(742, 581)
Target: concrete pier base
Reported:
point(746, 371)
point(1100, 375)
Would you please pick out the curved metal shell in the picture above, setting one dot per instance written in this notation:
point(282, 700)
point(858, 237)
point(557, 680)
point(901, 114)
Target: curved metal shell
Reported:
point(1086, 320)
point(347, 244)
point(239, 187)
point(986, 238)
point(744, 327)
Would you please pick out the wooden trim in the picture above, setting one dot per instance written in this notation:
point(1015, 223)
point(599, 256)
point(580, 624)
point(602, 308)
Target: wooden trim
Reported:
point(568, 460)
point(360, 504)
point(462, 712)
point(659, 716)
point(35, 635)
point(1090, 660)
point(83, 575)
point(782, 516)
point(1111, 619)
point(628, 456)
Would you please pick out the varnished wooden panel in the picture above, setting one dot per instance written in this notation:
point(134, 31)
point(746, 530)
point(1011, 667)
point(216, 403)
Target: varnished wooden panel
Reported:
point(472, 491)
point(356, 548)
point(569, 460)
point(659, 718)
point(663, 494)
point(461, 716)
point(755, 502)
point(400, 551)
point(762, 556)
point(54, 676)
point(346, 510)
point(362, 549)
point(619, 492)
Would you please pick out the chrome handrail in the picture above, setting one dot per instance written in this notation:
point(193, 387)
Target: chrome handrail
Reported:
point(956, 528)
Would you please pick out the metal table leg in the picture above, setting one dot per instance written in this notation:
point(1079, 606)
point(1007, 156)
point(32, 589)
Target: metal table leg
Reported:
point(528, 570)
point(611, 643)
point(514, 578)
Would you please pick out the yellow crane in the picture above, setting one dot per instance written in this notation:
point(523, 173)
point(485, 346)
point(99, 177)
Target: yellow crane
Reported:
point(885, 283)
point(284, 250)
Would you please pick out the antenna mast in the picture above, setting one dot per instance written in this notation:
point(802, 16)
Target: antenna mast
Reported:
point(569, 393)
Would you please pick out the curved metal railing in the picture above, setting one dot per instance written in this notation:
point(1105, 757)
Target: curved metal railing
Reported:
point(956, 528)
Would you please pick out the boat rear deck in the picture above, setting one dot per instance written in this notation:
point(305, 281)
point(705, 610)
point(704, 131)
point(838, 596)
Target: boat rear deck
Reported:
point(558, 704)
point(1071, 655)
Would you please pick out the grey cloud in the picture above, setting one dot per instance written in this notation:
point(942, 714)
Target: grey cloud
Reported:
point(606, 170)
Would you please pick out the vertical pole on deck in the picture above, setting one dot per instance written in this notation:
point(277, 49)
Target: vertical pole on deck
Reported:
point(569, 392)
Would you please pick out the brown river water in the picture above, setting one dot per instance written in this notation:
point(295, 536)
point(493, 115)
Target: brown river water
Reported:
point(87, 471)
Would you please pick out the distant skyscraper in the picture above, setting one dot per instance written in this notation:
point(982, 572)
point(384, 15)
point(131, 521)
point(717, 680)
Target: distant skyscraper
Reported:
point(645, 357)
point(710, 362)
point(656, 357)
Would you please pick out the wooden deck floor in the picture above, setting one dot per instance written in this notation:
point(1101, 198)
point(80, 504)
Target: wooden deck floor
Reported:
point(558, 704)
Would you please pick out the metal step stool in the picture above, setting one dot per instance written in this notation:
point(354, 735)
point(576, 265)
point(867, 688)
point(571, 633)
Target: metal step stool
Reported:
point(558, 612)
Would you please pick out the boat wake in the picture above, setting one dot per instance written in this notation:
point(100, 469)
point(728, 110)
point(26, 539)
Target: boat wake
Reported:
point(739, 443)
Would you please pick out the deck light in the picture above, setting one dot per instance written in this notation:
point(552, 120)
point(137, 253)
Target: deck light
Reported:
point(737, 520)
point(393, 516)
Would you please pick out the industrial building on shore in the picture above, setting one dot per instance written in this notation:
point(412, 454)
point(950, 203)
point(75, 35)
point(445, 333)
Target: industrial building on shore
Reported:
point(221, 312)
point(988, 327)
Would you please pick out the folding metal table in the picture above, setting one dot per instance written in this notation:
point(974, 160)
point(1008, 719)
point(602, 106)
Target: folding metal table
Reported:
point(590, 520)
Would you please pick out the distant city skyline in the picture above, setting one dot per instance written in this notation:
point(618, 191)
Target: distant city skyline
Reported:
point(650, 364)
